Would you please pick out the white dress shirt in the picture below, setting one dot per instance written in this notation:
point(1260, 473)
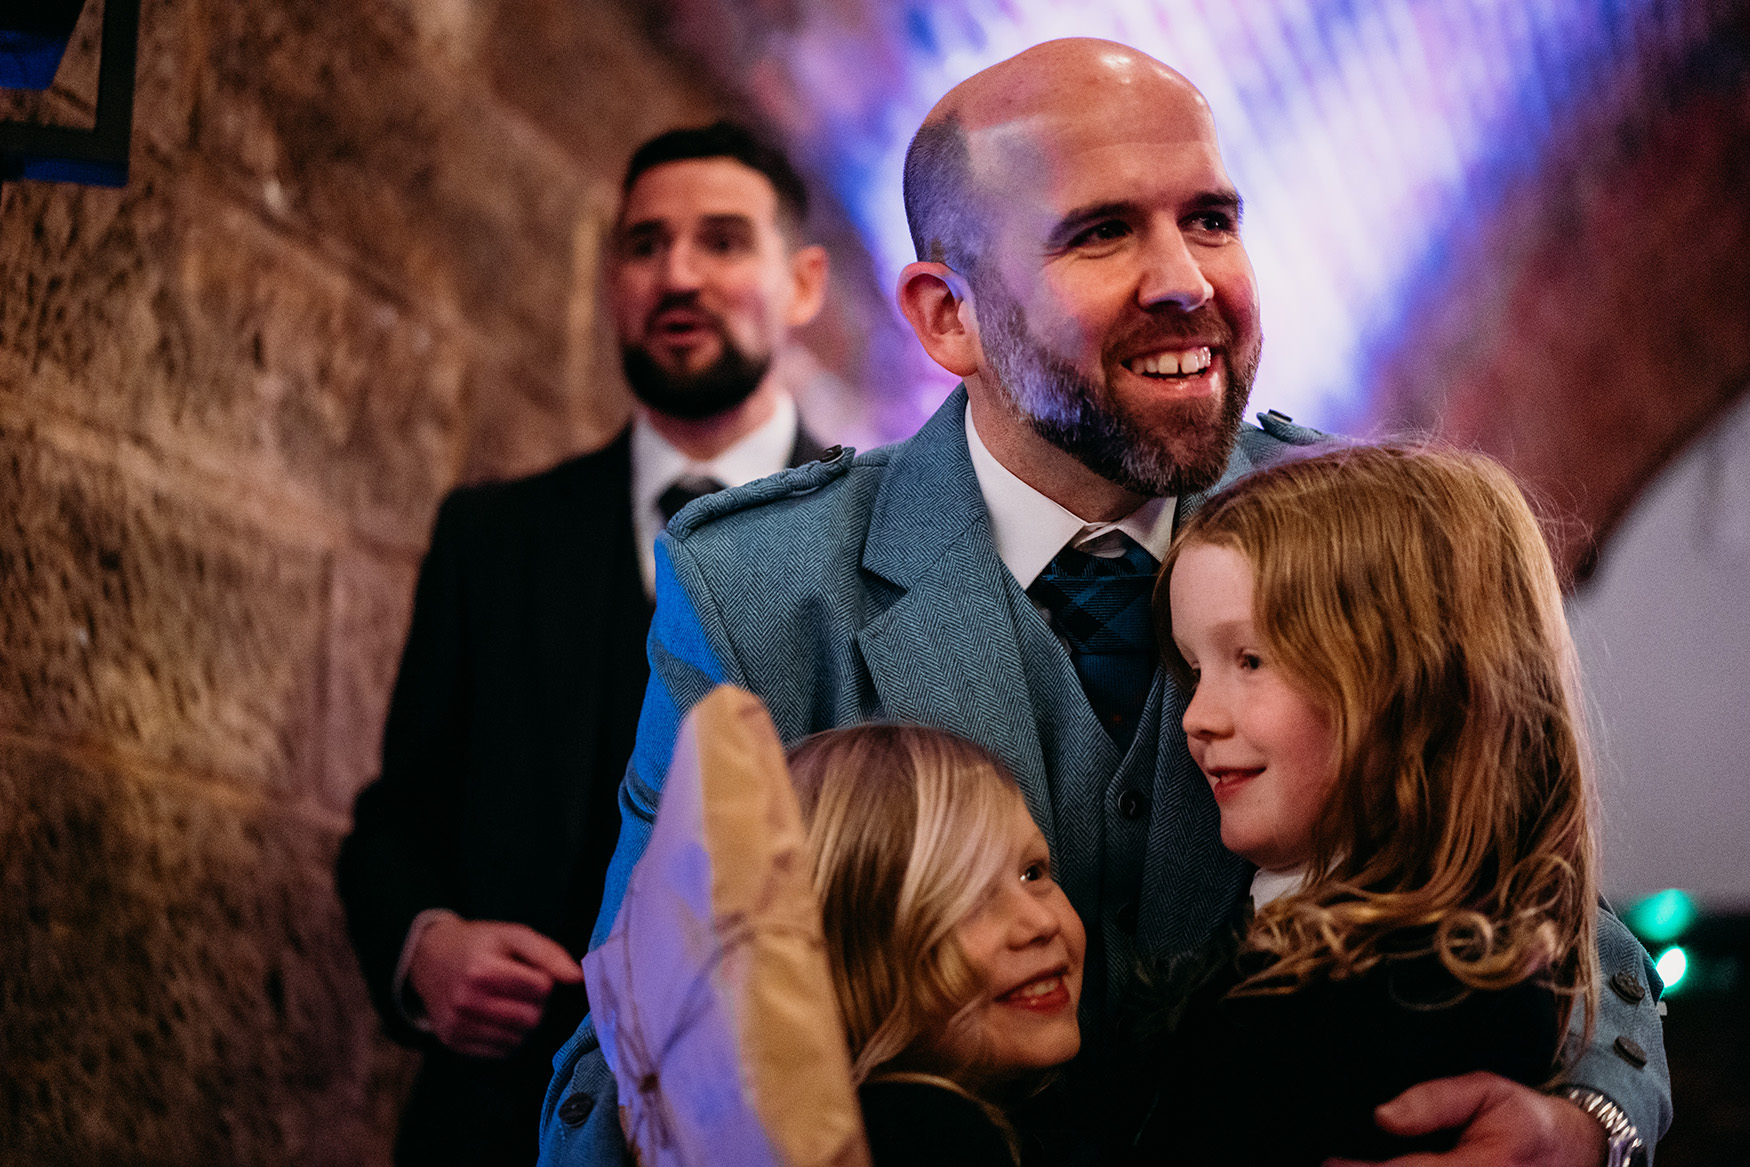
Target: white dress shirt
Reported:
point(656, 464)
point(1030, 529)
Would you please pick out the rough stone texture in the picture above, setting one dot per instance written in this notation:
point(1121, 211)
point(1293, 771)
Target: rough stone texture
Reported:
point(154, 624)
point(371, 607)
point(161, 1002)
point(206, 337)
point(356, 262)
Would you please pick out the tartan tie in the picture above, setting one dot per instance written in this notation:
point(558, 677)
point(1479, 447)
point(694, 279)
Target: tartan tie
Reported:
point(683, 491)
point(1100, 607)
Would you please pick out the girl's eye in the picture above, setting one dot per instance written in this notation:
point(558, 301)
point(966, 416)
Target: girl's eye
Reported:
point(1251, 661)
point(1035, 871)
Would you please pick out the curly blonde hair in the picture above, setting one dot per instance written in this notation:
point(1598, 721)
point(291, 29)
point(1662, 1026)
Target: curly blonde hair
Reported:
point(1409, 592)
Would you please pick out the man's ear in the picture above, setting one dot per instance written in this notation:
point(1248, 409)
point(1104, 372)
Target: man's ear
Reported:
point(808, 269)
point(938, 303)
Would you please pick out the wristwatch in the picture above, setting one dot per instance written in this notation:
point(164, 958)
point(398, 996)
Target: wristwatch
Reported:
point(1625, 1148)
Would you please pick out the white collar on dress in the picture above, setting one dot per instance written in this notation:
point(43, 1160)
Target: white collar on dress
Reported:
point(1273, 885)
point(656, 463)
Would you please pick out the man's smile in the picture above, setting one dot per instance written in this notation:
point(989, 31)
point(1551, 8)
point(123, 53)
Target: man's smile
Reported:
point(1171, 362)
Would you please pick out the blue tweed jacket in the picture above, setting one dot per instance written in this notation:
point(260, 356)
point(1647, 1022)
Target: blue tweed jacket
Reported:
point(870, 587)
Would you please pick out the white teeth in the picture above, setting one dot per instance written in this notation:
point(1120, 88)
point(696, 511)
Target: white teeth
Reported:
point(1041, 988)
point(1173, 364)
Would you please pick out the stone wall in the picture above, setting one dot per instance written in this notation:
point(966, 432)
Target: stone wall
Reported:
point(354, 264)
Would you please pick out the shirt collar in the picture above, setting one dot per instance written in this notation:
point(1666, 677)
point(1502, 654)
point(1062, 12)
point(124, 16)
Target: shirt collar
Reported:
point(656, 463)
point(1273, 885)
point(1030, 529)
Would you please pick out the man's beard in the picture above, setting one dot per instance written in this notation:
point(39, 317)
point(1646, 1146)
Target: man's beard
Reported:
point(1074, 413)
point(717, 388)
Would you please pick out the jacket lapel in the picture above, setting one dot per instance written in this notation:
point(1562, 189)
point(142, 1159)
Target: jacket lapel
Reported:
point(944, 651)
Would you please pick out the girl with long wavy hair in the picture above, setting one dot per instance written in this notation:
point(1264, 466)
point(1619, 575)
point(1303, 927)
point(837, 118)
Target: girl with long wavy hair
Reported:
point(1386, 708)
point(955, 957)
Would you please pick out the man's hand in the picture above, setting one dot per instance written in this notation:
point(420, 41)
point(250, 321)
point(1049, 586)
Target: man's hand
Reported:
point(484, 983)
point(1505, 1125)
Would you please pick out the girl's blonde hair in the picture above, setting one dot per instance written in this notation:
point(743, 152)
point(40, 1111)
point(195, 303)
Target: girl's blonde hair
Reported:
point(904, 834)
point(1408, 591)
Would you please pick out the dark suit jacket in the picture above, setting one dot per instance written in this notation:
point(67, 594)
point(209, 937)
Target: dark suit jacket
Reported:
point(509, 729)
point(1291, 1080)
point(919, 1124)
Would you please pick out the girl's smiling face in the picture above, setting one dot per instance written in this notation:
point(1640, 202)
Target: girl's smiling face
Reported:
point(1267, 749)
point(1026, 944)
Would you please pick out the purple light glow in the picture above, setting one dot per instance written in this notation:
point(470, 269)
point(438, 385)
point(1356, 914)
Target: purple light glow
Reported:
point(1367, 136)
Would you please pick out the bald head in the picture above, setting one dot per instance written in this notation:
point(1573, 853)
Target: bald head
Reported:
point(1080, 268)
point(1005, 115)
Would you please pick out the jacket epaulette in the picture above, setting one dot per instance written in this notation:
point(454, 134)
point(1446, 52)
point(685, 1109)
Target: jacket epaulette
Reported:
point(1281, 427)
point(1264, 443)
point(834, 462)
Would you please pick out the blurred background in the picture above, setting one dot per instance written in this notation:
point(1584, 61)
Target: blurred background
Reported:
point(340, 258)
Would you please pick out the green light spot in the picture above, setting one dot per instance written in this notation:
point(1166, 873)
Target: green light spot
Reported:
point(1672, 964)
point(1663, 917)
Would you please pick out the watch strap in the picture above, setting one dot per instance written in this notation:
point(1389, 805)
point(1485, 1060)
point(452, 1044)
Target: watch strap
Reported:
point(1625, 1148)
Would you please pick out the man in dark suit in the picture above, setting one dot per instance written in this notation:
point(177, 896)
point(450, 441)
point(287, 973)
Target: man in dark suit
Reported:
point(475, 865)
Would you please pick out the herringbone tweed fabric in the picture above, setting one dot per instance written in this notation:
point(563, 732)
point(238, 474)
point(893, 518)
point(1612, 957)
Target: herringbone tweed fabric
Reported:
point(870, 587)
point(683, 491)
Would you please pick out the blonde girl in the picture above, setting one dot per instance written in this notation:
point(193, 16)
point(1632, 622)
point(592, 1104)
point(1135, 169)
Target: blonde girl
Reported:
point(956, 959)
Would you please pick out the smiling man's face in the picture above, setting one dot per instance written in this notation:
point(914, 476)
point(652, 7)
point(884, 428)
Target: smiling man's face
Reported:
point(1117, 308)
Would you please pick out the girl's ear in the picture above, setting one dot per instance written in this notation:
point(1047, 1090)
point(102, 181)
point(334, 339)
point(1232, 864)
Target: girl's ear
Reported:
point(937, 301)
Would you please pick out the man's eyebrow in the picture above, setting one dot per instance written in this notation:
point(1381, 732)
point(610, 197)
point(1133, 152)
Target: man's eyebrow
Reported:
point(656, 226)
point(641, 229)
point(728, 220)
point(1225, 199)
point(1219, 199)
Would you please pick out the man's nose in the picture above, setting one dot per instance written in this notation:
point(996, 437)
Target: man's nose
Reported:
point(1171, 274)
point(680, 267)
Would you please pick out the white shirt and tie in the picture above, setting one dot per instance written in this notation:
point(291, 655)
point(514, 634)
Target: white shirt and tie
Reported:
point(1030, 529)
point(658, 465)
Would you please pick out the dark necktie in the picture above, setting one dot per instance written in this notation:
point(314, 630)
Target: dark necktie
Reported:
point(1101, 609)
point(683, 491)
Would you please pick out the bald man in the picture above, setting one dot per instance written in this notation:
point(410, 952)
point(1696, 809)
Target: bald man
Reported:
point(1080, 267)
